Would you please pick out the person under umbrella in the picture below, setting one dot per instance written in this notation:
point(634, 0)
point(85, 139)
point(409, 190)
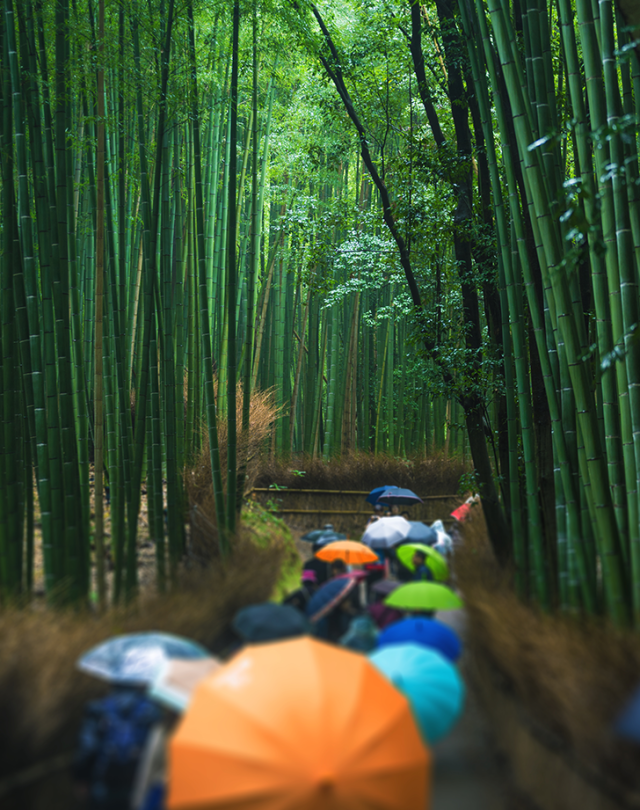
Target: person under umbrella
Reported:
point(382, 615)
point(299, 599)
point(319, 567)
point(421, 573)
point(325, 609)
point(116, 729)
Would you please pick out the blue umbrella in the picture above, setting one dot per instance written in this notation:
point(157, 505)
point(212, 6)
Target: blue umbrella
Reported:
point(428, 633)
point(136, 658)
point(430, 683)
point(401, 497)
point(628, 723)
point(268, 622)
point(329, 596)
point(421, 533)
point(373, 496)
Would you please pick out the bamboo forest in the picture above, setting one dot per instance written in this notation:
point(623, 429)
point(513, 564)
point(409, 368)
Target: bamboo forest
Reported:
point(414, 225)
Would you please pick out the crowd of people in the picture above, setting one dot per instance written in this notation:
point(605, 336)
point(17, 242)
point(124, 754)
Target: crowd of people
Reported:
point(121, 757)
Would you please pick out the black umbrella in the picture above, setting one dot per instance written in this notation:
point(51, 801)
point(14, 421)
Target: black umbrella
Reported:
point(268, 622)
point(325, 539)
point(326, 535)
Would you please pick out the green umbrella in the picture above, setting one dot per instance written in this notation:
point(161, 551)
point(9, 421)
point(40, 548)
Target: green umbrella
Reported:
point(423, 596)
point(435, 561)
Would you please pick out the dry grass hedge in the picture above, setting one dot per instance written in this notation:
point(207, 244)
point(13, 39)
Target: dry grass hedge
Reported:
point(573, 675)
point(41, 692)
point(435, 475)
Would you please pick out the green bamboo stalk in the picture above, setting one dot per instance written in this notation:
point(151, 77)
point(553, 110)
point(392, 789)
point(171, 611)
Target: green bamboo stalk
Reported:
point(204, 309)
point(99, 299)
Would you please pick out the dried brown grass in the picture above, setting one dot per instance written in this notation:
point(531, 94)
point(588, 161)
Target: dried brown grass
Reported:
point(41, 692)
point(435, 475)
point(573, 676)
point(251, 445)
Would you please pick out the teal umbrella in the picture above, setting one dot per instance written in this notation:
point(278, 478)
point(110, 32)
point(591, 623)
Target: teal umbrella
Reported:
point(429, 681)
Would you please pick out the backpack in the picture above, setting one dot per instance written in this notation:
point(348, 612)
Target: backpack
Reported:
point(112, 739)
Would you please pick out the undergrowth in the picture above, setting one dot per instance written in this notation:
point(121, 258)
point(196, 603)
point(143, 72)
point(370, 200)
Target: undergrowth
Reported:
point(574, 674)
point(42, 693)
point(435, 475)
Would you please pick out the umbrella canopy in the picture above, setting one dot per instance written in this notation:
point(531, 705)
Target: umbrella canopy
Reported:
point(328, 534)
point(298, 724)
point(383, 587)
point(269, 622)
point(352, 552)
point(386, 532)
point(176, 680)
point(430, 682)
point(401, 497)
point(423, 596)
point(435, 561)
point(325, 539)
point(329, 596)
point(373, 496)
point(136, 658)
point(628, 722)
point(426, 632)
point(361, 636)
point(421, 533)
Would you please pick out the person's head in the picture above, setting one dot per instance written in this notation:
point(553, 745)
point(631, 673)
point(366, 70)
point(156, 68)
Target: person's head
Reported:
point(419, 558)
point(338, 567)
point(378, 508)
point(395, 509)
point(309, 579)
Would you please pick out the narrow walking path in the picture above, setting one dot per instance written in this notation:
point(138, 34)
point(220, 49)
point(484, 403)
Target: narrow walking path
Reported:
point(467, 771)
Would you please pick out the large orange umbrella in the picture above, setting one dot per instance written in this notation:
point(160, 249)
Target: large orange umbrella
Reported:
point(350, 551)
point(298, 725)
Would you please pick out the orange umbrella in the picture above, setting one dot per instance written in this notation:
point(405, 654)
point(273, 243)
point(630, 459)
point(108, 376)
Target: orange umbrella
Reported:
point(350, 551)
point(298, 724)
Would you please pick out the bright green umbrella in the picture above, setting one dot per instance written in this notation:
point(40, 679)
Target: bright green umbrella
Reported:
point(435, 561)
point(423, 596)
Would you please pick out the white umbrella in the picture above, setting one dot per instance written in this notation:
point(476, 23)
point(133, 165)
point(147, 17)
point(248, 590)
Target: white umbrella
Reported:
point(175, 682)
point(386, 532)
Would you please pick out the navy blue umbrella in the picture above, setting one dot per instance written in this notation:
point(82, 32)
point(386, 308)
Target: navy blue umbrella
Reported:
point(329, 596)
point(401, 497)
point(268, 622)
point(373, 496)
point(426, 632)
point(628, 723)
